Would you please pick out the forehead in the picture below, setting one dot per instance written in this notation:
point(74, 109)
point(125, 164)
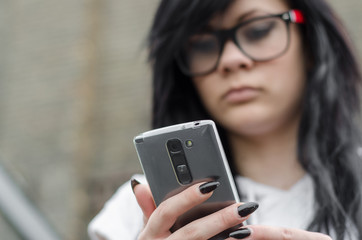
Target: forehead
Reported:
point(243, 9)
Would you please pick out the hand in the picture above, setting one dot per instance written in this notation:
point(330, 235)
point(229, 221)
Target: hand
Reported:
point(159, 220)
point(259, 232)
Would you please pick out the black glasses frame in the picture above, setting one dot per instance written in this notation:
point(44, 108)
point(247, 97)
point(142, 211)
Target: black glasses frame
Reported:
point(291, 16)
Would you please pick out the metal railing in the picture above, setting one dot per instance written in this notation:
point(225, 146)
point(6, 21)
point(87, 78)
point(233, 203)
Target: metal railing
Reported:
point(21, 214)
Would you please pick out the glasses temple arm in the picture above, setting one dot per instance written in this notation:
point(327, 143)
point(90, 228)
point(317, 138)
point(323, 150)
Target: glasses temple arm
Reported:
point(296, 16)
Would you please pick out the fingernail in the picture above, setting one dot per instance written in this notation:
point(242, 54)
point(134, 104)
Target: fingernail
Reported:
point(208, 187)
point(134, 183)
point(247, 208)
point(241, 233)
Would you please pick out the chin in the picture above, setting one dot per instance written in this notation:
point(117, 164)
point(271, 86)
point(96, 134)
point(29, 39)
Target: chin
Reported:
point(248, 124)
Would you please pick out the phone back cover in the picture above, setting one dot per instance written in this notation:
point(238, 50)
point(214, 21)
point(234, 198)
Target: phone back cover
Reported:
point(205, 159)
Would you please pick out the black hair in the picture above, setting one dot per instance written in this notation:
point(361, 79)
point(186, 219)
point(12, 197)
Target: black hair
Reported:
point(329, 137)
point(174, 98)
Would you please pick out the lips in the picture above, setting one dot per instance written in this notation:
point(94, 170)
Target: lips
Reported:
point(241, 95)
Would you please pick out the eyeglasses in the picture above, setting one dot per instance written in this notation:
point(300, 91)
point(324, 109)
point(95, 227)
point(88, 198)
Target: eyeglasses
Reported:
point(261, 39)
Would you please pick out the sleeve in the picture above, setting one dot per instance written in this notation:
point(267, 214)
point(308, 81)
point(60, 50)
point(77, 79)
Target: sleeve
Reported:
point(120, 218)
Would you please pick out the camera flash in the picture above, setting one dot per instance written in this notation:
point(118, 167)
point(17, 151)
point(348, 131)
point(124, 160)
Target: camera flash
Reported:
point(189, 143)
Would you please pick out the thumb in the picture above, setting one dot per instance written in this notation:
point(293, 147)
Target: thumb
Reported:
point(144, 197)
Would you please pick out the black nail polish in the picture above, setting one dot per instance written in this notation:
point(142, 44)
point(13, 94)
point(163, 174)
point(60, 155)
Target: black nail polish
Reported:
point(134, 183)
point(208, 187)
point(247, 208)
point(241, 233)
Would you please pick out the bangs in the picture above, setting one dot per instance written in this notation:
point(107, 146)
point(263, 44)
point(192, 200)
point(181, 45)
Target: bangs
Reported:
point(200, 12)
point(175, 21)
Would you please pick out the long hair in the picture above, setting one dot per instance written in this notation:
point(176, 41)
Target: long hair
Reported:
point(328, 135)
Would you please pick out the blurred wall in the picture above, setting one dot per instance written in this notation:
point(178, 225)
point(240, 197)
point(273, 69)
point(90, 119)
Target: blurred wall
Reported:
point(74, 91)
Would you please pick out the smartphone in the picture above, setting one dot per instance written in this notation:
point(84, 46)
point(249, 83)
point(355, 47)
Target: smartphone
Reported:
point(176, 157)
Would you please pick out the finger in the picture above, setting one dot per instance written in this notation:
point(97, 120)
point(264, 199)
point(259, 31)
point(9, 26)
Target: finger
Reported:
point(241, 233)
point(165, 215)
point(215, 223)
point(144, 198)
point(258, 232)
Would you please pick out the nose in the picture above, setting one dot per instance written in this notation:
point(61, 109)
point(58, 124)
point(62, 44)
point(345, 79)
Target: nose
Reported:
point(233, 59)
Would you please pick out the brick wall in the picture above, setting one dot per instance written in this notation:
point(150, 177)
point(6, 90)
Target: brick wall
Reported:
point(74, 91)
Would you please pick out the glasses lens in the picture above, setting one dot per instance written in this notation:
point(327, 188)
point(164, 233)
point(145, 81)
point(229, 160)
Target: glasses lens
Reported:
point(263, 39)
point(201, 53)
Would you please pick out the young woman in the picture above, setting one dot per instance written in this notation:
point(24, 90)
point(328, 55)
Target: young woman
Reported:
point(280, 80)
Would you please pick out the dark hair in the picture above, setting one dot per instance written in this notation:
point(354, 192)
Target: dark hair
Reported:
point(328, 136)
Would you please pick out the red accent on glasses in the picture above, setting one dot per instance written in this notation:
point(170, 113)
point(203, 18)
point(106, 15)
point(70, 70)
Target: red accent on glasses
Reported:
point(297, 16)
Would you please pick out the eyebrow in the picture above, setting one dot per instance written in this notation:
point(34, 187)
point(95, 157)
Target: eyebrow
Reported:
point(246, 15)
point(241, 18)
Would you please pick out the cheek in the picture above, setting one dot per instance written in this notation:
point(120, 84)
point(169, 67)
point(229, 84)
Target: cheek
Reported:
point(290, 79)
point(207, 91)
point(290, 85)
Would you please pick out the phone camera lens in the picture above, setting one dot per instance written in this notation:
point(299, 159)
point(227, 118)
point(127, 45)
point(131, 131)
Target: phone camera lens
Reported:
point(174, 145)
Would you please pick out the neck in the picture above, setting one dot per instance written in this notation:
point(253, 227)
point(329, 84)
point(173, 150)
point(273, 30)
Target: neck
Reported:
point(269, 159)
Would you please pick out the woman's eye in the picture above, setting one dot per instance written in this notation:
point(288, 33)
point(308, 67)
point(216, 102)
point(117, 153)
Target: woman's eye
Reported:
point(203, 46)
point(258, 32)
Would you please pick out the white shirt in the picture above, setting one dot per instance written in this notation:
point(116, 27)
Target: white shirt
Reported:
point(292, 208)
point(122, 218)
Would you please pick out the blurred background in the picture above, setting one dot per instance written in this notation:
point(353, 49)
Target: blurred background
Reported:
point(74, 91)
